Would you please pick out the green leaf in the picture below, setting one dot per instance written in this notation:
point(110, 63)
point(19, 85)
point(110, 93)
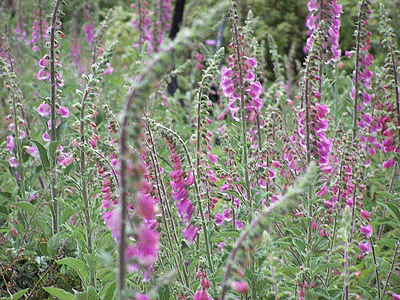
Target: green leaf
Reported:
point(322, 267)
point(4, 229)
point(67, 212)
point(43, 156)
point(90, 294)
point(53, 148)
point(164, 292)
point(18, 295)
point(386, 195)
point(27, 206)
point(393, 209)
point(78, 265)
point(110, 291)
point(59, 293)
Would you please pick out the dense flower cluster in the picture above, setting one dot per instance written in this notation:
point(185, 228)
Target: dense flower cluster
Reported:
point(231, 87)
point(328, 11)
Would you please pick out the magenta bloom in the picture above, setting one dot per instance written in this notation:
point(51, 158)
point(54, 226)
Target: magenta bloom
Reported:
point(389, 163)
point(44, 61)
point(141, 297)
point(10, 143)
point(322, 192)
point(32, 151)
point(113, 223)
point(145, 204)
point(13, 162)
point(147, 245)
point(364, 247)
point(367, 230)
point(63, 111)
point(190, 232)
point(42, 74)
point(395, 296)
point(44, 109)
point(365, 214)
point(239, 286)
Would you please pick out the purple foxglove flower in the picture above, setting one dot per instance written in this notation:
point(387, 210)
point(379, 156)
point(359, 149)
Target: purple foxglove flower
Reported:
point(364, 247)
point(13, 162)
point(146, 205)
point(220, 246)
point(42, 74)
point(10, 143)
point(213, 158)
point(322, 192)
point(141, 297)
point(365, 214)
point(113, 223)
point(219, 219)
point(44, 109)
point(63, 111)
point(32, 151)
point(239, 286)
point(367, 230)
point(46, 137)
point(147, 245)
point(44, 61)
point(190, 232)
point(190, 179)
point(239, 225)
point(389, 163)
point(395, 296)
point(185, 210)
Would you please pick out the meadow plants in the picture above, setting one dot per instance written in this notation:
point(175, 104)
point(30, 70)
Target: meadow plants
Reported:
point(230, 187)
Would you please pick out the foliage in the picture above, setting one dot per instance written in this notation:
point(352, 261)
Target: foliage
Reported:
point(271, 172)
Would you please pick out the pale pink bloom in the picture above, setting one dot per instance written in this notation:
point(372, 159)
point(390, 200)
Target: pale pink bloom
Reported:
point(44, 109)
point(211, 157)
point(32, 151)
point(42, 74)
point(365, 214)
point(68, 160)
point(63, 111)
point(364, 247)
point(13, 162)
point(190, 232)
point(75, 143)
point(367, 230)
point(109, 69)
point(43, 62)
point(239, 286)
point(46, 137)
point(10, 143)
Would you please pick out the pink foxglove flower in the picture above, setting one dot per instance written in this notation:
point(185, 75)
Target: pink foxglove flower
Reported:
point(146, 205)
point(13, 162)
point(395, 296)
point(43, 74)
point(240, 286)
point(147, 245)
point(364, 247)
point(10, 143)
point(63, 111)
point(367, 230)
point(190, 232)
point(44, 109)
point(32, 151)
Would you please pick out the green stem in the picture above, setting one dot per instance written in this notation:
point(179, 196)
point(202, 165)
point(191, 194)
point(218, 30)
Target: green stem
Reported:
point(53, 137)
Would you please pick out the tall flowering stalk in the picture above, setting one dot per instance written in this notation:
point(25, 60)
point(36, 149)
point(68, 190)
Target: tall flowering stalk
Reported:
point(362, 75)
point(239, 84)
